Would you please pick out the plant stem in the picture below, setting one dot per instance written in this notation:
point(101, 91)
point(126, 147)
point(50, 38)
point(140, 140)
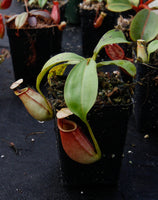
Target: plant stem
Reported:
point(98, 151)
point(25, 1)
point(94, 56)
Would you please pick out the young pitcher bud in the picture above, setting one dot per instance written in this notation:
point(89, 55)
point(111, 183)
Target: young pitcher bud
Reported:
point(62, 26)
point(36, 105)
point(2, 28)
point(99, 20)
point(141, 51)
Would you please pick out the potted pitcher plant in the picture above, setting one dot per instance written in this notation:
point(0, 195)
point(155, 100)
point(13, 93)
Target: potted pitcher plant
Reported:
point(27, 33)
point(90, 108)
point(141, 31)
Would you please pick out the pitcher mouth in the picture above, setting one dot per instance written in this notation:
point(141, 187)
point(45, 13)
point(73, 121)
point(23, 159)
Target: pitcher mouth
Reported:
point(66, 125)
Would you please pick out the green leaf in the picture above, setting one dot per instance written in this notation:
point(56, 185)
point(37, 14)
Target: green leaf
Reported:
point(152, 47)
point(21, 19)
point(72, 58)
point(144, 25)
point(42, 3)
point(118, 5)
point(57, 70)
point(134, 2)
point(31, 2)
point(128, 66)
point(81, 88)
point(69, 58)
point(62, 57)
point(110, 37)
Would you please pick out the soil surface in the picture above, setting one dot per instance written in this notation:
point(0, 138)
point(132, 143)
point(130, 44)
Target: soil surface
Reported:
point(93, 5)
point(34, 19)
point(112, 90)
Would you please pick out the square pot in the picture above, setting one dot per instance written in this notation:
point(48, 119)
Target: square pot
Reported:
point(30, 49)
point(109, 125)
point(146, 96)
point(91, 35)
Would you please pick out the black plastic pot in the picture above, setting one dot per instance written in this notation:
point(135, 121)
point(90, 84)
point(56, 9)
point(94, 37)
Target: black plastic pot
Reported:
point(30, 49)
point(109, 125)
point(72, 12)
point(146, 99)
point(91, 35)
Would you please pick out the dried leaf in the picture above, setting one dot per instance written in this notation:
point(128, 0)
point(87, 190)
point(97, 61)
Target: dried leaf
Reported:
point(11, 18)
point(21, 20)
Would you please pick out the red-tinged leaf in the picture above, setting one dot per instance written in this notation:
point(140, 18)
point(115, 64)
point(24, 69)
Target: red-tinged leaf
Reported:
point(144, 26)
point(42, 13)
point(2, 28)
point(5, 4)
point(55, 13)
point(114, 51)
point(75, 144)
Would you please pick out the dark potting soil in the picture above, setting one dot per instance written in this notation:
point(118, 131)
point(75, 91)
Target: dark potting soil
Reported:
point(146, 107)
point(112, 90)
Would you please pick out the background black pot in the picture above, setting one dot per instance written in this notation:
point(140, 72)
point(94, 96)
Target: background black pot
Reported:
point(109, 125)
point(91, 35)
point(31, 48)
point(72, 12)
point(146, 99)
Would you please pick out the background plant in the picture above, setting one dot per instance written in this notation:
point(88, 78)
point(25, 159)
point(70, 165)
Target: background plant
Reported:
point(124, 5)
point(4, 4)
point(143, 26)
point(44, 3)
